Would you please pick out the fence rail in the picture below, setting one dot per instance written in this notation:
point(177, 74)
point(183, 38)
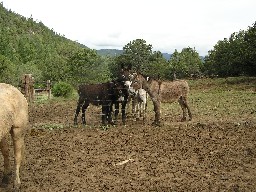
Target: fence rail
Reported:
point(27, 88)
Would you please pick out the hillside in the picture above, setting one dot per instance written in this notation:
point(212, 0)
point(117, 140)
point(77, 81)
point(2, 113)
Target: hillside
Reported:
point(28, 46)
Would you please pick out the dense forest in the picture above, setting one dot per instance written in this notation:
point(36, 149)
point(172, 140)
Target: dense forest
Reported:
point(28, 46)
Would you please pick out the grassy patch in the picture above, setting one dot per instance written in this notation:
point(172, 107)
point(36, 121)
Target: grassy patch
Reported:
point(221, 99)
point(219, 84)
point(210, 100)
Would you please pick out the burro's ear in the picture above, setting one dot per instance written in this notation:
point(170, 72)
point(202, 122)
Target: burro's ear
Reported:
point(134, 75)
point(122, 66)
point(115, 84)
point(129, 67)
point(112, 84)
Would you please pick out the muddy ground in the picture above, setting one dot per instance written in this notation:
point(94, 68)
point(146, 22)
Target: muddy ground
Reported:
point(187, 156)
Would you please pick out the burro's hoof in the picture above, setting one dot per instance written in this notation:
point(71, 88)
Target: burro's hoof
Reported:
point(113, 123)
point(16, 186)
point(156, 124)
point(6, 180)
point(183, 119)
point(16, 189)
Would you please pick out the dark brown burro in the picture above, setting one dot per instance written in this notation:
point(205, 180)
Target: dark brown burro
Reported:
point(13, 119)
point(104, 94)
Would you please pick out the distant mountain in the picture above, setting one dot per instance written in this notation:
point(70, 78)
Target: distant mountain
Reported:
point(109, 52)
point(116, 52)
point(167, 56)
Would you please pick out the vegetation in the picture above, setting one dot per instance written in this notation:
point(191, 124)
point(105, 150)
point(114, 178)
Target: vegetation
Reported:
point(233, 56)
point(28, 46)
point(87, 66)
point(62, 89)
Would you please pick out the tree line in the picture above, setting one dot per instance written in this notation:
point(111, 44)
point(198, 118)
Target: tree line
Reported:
point(233, 56)
point(28, 46)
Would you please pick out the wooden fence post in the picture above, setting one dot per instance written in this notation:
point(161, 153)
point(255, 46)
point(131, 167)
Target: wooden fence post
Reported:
point(27, 87)
point(48, 88)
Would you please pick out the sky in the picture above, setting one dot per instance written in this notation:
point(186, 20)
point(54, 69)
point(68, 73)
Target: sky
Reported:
point(165, 24)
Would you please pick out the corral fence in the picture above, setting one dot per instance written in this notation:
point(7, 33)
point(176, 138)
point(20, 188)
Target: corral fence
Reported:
point(30, 89)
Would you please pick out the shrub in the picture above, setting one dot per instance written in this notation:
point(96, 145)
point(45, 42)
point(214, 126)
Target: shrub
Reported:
point(62, 89)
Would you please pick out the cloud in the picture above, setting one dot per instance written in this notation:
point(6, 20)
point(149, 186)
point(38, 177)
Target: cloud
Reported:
point(167, 25)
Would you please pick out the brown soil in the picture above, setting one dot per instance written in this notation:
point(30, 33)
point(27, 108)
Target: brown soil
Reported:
point(188, 156)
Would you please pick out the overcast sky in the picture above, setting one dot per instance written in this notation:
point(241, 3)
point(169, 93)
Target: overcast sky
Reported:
point(165, 24)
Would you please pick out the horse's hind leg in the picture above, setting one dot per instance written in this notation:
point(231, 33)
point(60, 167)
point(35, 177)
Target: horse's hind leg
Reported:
point(19, 148)
point(4, 145)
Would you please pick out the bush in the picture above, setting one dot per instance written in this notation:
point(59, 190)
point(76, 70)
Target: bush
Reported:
point(62, 89)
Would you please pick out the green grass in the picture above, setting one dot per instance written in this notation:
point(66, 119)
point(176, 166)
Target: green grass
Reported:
point(223, 84)
point(223, 105)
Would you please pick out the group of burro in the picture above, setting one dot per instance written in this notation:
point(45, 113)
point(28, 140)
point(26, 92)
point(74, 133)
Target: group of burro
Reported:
point(132, 87)
point(128, 86)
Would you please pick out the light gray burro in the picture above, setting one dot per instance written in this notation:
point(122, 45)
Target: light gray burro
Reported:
point(13, 120)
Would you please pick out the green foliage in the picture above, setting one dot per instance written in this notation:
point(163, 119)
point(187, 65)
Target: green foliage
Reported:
point(62, 89)
point(136, 53)
point(86, 66)
point(140, 57)
point(157, 67)
point(33, 48)
point(7, 70)
point(185, 63)
point(233, 56)
point(250, 51)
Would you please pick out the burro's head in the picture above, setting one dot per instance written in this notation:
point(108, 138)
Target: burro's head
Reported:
point(120, 91)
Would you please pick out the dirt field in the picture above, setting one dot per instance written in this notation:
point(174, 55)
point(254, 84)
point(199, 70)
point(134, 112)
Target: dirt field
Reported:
point(201, 155)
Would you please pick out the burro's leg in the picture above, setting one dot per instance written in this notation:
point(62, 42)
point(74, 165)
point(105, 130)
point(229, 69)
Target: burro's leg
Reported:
point(184, 106)
point(157, 110)
point(104, 114)
point(143, 110)
point(84, 107)
point(123, 112)
point(4, 145)
point(19, 148)
point(79, 104)
point(189, 112)
point(109, 110)
point(116, 104)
